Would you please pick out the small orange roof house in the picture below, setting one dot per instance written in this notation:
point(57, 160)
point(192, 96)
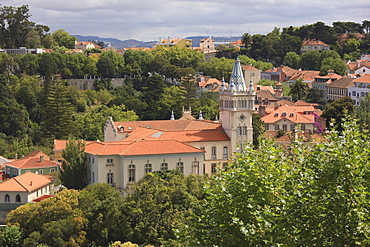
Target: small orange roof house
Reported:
point(314, 45)
point(23, 189)
point(37, 162)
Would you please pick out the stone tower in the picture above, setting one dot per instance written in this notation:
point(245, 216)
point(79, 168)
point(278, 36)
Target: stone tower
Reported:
point(237, 107)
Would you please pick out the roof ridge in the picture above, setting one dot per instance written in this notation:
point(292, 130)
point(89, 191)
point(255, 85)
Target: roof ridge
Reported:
point(15, 178)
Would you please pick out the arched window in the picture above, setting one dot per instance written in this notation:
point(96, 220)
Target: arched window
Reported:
point(17, 198)
point(7, 198)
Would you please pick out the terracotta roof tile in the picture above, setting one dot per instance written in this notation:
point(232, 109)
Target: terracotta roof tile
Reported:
point(291, 114)
point(143, 147)
point(25, 182)
point(342, 83)
point(32, 162)
point(363, 79)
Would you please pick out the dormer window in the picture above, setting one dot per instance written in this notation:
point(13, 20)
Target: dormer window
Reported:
point(283, 114)
point(292, 114)
point(276, 115)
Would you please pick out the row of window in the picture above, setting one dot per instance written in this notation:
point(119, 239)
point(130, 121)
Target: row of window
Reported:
point(284, 114)
point(41, 171)
point(242, 131)
point(285, 127)
point(17, 198)
point(241, 104)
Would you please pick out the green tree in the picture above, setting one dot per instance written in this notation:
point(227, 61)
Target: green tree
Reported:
point(292, 59)
point(64, 39)
point(299, 90)
point(336, 64)
point(152, 95)
point(310, 60)
point(11, 237)
point(336, 110)
point(57, 116)
point(106, 67)
point(362, 112)
point(73, 174)
point(316, 95)
point(258, 129)
point(301, 195)
point(160, 202)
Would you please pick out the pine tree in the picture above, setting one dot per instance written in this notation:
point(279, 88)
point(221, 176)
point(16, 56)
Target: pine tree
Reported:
point(57, 121)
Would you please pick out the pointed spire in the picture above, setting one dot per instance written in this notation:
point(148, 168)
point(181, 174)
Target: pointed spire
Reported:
point(200, 115)
point(237, 82)
point(223, 85)
point(251, 87)
point(172, 116)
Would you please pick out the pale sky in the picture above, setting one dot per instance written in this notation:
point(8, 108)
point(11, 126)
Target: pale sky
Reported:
point(147, 20)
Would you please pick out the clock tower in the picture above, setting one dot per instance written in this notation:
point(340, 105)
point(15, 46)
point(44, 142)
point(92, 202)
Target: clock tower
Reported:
point(237, 107)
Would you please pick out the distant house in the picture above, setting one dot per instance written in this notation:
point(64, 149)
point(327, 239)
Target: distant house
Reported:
point(321, 82)
point(360, 89)
point(207, 45)
point(179, 42)
point(85, 45)
point(339, 88)
point(251, 74)
point(343, 38)
point(239, 43)
point(295, 116)
point(358, 67)
point(23, 189)
point(35, 162)
point(314, 45)
point(282, 73)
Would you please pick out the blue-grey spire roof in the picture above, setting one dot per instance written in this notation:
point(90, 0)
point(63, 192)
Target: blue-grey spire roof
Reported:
point(237, 82)
point(223, 85)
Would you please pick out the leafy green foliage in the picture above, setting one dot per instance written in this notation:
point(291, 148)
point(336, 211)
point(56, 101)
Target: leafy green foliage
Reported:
point(336, 110)
point(11, 237)
point(299, 90)
point(301, 195)
point(73, 174)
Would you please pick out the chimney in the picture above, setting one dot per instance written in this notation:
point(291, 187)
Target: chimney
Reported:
point(41, 159)
point(262, 110)
point(31, 183)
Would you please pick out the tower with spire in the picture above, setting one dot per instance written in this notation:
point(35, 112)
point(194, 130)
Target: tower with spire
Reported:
point(237, 107)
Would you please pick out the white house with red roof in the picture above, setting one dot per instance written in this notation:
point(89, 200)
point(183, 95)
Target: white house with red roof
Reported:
point(25, 188)
point(194, 146)
point(360, 89)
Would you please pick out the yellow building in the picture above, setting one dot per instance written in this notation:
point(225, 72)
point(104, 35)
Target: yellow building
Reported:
point(182, 43)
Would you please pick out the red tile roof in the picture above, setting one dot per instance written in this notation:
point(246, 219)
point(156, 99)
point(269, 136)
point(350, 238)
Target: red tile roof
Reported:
point(30, 163)
point(143, 147)
point(291, 113)
point(363, 79)
point(25, 182)
point(43, 197)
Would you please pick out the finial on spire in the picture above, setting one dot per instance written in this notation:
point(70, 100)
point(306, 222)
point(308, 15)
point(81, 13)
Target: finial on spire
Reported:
point(200, 115)
point(223, 85)
point(237, 83)
point(172, 116)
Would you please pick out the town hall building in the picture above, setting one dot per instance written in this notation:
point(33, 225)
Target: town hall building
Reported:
point(194, 146)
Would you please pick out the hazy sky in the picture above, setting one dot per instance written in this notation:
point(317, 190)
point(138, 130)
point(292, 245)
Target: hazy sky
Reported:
point(148, 20)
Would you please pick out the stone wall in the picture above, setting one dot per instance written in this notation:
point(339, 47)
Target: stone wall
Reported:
point(84, 84)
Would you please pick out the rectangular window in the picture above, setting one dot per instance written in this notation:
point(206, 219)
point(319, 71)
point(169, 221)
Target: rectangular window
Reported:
point(244, 130)
point(41, 171)
point(180, 166)
point(225, 166)
point(240, 131)
point(164, 166)
point(93, 177)
point(292, 127)
point(214, 165)
point(52, 170)
point(267, 126)
point(110, 162)
point(226, 152)
point(285, 127)
point(131, 173)
point(214, 153)
point(195, 167)
point(276, 127)
point(204, 153)
point(303, 127)
point(110, 178)
point(148, 168)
